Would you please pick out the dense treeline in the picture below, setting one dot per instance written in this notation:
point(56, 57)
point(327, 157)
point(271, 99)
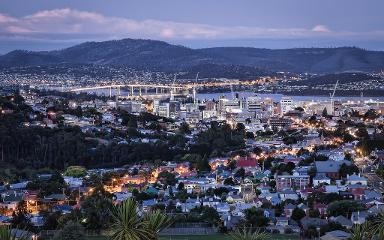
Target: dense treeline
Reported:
point(29, 148)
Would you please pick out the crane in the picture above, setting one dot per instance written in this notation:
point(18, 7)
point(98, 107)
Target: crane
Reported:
point(194, 89)
point(172, 96)
point(332, 100)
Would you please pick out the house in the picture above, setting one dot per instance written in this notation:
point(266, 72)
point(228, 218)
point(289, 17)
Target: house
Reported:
point(73, 182)
point(294, 181)
point(359, 217)
point(282, 221)
point(321, 179)
point(306, 192)
point(59, 198)
point(4, 220)
point(304, 207)
point(346, 195)
point(234, 199)
point(232, 221)
point(372, 194)
point(19, 186)
point(211, 202)
point(148, 204)
point(336, 235)
point(288, 209)
point(223, 208)
point(330, 168)
point(356, 179)
point(334, 188)
point(343, 221)
point(374, 210)
point(121, 196)
point(22, 234)
point(152, 191)
point(37, 220)
point(269, 213)
point(288, 194)
point(11, 201)
point(189, 204)
point(261, 176)
point(62, 208)
point(216, 162)
point(358, 193)
point(308, 221)
point(248, 163)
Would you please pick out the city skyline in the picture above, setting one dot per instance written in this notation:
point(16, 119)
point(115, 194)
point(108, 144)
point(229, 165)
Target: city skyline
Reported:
point(47, 25)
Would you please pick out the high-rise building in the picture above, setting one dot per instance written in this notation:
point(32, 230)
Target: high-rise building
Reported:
point(254, 104)
point(286, 105)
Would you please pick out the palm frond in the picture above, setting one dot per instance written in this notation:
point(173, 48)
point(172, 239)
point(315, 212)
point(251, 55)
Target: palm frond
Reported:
point(6, 233)
point(360, 232)
point(157, 221)
point(243, 234)
point(128, 225)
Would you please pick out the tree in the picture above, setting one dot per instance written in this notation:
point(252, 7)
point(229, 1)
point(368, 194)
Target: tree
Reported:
point(371, 114)
point(240, 173)
point(51, 220)
point(348, 156)
point(157, 221)
point(314, 213)
point(255, 217)
point(257, 151)
point(290, 140)
point(180, 186)
point(93, 181)
point(229, 181)
point(362, 132)
point(20, 217)
point(219, 191)
point(129, 225)
point(344, 207)
point(331, 226)
point(378, 226)
point(380, 171)
point(203, 165)
point(72, 230)
point(184, 128)
point(7, 233)
point(75, 171)
point(324, 113)
point(232, 165)
point(96, 211)
point(348, 170)
point(298, 214)
point(249, 135)
point(167, 178)
point(361, 231)
point(243, 234)
point(207, 214)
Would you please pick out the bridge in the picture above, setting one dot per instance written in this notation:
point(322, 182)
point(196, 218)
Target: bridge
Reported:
point(152, 91)
point(143, 91)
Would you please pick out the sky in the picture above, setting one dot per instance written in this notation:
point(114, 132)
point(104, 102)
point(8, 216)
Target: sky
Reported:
point(55, 24)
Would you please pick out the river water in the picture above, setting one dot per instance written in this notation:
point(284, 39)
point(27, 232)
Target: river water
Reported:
point(274, 96)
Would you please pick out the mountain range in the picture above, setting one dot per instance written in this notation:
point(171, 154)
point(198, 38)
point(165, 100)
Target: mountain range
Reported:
point(162, 56)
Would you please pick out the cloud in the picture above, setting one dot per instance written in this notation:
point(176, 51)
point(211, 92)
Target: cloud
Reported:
point(320, 28)
point(69, 23)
